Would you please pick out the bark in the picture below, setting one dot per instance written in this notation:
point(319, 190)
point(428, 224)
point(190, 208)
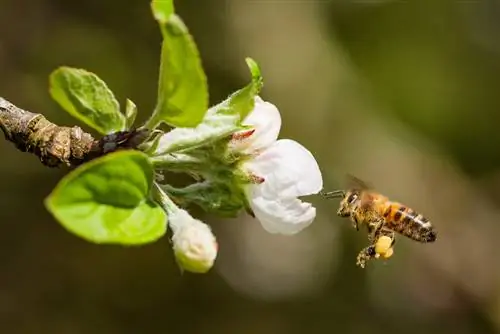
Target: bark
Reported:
point(60, 145)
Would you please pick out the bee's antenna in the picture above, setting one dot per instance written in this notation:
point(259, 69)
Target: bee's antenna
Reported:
point(333, 194)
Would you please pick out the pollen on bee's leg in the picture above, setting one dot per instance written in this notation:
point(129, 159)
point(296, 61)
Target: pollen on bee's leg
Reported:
point(388, 253)
point(382, 245)
point(242, 135)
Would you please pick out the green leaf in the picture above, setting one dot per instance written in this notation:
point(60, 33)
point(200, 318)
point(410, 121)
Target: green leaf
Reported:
point(87, 98)
point(130, 114)
point(243, 100)
point(220, 198)
point(182, 88)
point(150, 144)
point(108, 201)
point(162, 9)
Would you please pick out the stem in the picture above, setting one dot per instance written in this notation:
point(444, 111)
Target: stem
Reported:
point(165, 201)
point(194, 188)
point(153, 122)
point(53, 145)
point(177, 217)
point(59, 145)
point(177, 162)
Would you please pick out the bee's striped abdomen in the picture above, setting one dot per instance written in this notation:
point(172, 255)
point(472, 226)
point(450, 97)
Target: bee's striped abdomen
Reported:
point(409, 223)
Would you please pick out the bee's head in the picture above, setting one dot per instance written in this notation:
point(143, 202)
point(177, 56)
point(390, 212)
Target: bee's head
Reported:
point(348, 203)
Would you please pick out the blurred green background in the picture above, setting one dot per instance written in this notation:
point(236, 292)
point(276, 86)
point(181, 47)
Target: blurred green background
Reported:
point(403, 94)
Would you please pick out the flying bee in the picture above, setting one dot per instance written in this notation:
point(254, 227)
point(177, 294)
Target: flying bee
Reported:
point(381, 217)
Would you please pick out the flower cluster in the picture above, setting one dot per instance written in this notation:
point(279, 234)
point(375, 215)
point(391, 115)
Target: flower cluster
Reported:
point(249, 169)
point(122, 194)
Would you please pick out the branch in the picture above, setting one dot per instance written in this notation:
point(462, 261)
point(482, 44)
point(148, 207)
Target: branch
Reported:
point(56, 145)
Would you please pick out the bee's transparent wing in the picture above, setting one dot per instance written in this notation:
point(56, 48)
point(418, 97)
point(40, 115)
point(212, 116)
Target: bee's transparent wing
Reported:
point(356, 183)
point(365, 189)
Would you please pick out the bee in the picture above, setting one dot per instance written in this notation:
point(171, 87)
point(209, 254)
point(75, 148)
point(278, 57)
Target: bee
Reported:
point(381, 216)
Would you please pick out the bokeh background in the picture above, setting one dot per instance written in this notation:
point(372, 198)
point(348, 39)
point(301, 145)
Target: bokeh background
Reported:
point(403, 94)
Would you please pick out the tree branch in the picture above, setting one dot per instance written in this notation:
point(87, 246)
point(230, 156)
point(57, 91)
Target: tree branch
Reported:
point(55, 145)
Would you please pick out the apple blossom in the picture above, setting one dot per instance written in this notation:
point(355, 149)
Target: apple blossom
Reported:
point(280, 171)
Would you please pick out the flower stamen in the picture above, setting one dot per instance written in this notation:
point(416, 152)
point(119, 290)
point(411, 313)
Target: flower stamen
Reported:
point(242, 135)
point(255, 179)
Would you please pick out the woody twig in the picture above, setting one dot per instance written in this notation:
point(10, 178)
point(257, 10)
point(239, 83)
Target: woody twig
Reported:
point(60, 145)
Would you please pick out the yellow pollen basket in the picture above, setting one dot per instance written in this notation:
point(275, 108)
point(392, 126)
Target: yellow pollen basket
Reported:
point(383, 247)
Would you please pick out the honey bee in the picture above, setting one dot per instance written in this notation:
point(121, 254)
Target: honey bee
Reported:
point(381, 216)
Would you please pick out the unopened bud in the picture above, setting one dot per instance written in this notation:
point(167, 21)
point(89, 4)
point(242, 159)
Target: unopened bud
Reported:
point(195, 246)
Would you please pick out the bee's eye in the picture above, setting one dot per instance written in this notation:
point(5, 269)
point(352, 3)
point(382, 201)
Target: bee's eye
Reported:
point(352, 198)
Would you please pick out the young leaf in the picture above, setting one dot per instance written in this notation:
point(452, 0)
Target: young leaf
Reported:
point(162, 9)
point(87, 98)
point(130, 114)
point(243, 100)
point(150, 144)
point(108, 201)
point(182, 88)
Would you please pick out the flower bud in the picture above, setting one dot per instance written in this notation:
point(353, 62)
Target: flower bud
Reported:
point(194, 244)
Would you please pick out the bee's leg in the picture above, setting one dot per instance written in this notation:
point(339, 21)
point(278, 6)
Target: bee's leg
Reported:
point(370, 228)
point(369, 252)
point(365, 255)
point(372, 231)
point(376, 230)
point(355, 222)
point(388, 233)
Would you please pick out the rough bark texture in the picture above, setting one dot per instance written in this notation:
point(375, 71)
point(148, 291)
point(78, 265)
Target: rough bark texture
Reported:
point(60, 145)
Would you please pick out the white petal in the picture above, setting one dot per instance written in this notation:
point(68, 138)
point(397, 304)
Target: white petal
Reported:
point(265, 118)
point(289, 170)
point(283, 215)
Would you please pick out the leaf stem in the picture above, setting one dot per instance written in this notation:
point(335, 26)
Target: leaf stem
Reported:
point(154, 121)
point(178, 162)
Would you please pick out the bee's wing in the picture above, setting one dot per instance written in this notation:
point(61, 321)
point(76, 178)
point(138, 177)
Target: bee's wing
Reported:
point(367, 200)
point(357, 183)
point(366, 191)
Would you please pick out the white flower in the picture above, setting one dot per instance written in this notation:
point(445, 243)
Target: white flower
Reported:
point(195, 246)
point(282, 170)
